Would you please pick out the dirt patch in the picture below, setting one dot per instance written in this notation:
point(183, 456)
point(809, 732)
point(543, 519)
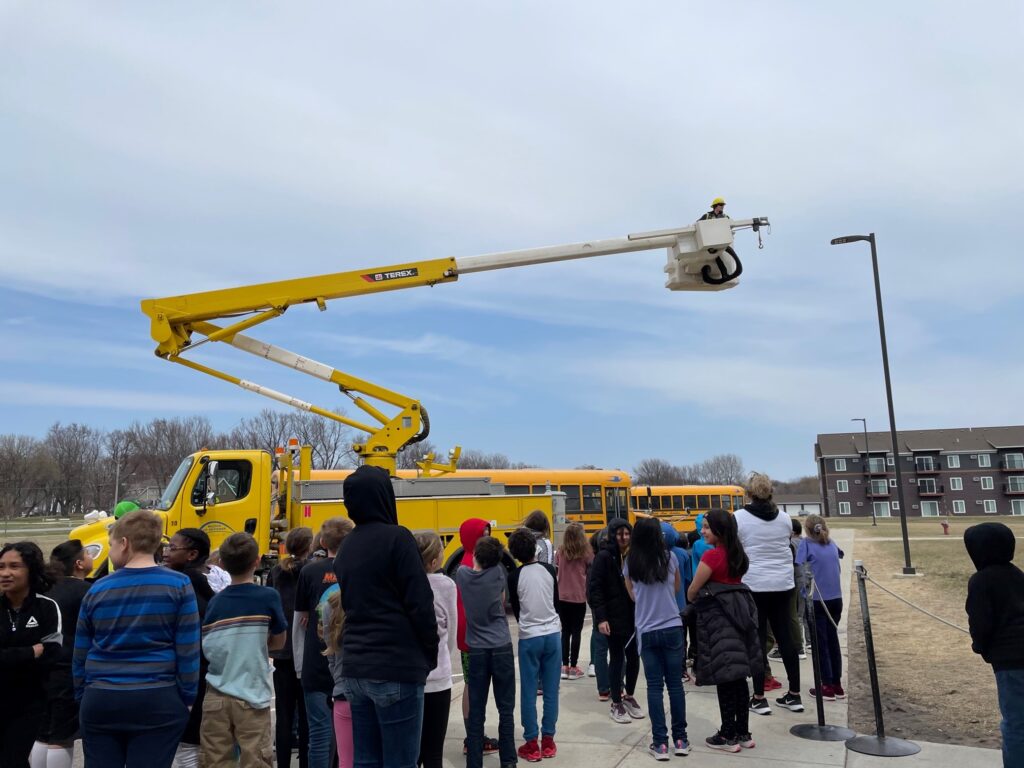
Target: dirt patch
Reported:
point(934, 688)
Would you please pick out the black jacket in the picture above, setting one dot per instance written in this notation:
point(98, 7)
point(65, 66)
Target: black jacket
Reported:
point(285, 582)
point(38, 621)
point(729, 648)
point(995, 597)
point(390, 632)
point(606, 587)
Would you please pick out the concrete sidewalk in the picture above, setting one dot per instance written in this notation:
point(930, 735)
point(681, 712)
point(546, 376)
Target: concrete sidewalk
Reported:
point(588, 737)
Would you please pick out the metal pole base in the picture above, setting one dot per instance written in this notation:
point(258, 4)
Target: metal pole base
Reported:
point(815, 732)
point(884, 746)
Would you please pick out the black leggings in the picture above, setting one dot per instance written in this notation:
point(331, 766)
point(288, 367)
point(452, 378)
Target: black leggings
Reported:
point(435, 727)
point(773, 608)
point(622, 650)
point(733, 706)
point(288, 700)
point(572, 616)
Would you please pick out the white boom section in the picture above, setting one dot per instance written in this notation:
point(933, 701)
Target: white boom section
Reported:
point(689, 250)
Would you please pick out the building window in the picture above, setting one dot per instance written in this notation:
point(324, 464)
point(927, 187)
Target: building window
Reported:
point(840, 465)
point(960, 507)
point(879, 487)
point(984, 460)
point(890, 461)
point(929, 509)
point(843, 486)
point(956, 483)
point(1017, 507)
point(844, 507)
point(990, 506)
point(892, 482)
point(926, 485)
point(881, 508)
point(987, 484)
point(926, 464)
point(895, 506)
point(953, 462)
point(1014, 461)
point(876, 465)
point(1015, 484)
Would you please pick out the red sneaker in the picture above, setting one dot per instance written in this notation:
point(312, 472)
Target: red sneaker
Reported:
point(604, 695)
point(827, 694)
point(547, 747)
point(771, 684)
point(530, 752)
point(837, 689)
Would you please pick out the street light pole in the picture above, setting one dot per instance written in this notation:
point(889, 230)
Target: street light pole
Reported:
point(907, 568)
point(867, 458)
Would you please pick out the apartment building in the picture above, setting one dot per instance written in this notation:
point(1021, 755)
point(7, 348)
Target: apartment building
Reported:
point(972, 471)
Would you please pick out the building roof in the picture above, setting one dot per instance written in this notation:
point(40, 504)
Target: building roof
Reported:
point(796, 498)
point(966, 440)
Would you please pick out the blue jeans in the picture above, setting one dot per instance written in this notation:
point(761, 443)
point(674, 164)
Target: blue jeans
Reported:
point(137, 729)
point(320, 717)
point(1010, 686)
point(662, 652)
point(387, 718)
point(497, 664)
point(539, 657)
point(599, 658)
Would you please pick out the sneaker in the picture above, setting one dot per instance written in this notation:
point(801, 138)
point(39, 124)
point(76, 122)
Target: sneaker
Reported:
point(720, 742)
point(775, 654)
point(530, 752)
point(682, 747)
point(837, 689)
point(575, 673)
point(490, 746)
point(547, 747)
point(759, 706)
point(792, 702)
point(802, 655)
point(827, 694)
point(591, 672)
point(745, 740)
point(771, 683)
point(618, 713)
point(659, 751)
point(633, 708)
point(565, 673)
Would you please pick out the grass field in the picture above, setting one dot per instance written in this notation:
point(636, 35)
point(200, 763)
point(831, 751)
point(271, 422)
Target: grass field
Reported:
point(46, 533)
point(933, 686)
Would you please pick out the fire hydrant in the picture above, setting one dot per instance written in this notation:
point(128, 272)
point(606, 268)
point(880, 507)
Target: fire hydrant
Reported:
point(945, 528)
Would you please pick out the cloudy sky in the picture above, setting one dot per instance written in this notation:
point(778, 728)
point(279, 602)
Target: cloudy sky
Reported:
point(153, 149)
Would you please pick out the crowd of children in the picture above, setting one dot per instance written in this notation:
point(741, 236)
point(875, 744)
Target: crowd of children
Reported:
point(153, 665)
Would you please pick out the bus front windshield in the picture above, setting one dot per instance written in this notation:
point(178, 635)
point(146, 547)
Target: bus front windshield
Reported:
point(171, 491)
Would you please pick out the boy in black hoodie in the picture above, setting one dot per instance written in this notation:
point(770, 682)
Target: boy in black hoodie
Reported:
point(390, 639)
point(995, 610)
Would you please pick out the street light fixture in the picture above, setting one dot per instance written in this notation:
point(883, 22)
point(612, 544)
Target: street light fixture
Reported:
point(907, 568)
point(867, 458)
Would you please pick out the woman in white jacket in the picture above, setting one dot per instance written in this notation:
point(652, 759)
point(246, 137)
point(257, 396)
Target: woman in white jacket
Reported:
point(764, 533)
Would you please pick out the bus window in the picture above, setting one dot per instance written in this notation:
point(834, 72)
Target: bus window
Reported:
point(690, 502)
point(615, 503)
point(716, 501)
point(516, 490)
point(727, 503)
point(703, 501)
point(591, 498)
point(540, 489)
point(641, 502)
point(655, 503)
point(737, 502)
point(677, 503)
point(572, 498)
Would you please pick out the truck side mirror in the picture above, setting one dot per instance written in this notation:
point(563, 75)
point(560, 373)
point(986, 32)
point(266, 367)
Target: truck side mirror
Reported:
point(211, 483)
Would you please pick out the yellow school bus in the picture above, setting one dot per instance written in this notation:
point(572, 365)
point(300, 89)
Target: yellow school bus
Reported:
point(680, 504)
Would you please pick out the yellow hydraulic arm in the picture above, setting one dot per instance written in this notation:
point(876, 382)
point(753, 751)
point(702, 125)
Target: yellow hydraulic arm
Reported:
point(175, 319)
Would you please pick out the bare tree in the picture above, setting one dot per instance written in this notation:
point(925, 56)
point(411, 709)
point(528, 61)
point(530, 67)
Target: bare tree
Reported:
point(265, 431)
point(26, 473)
point(724, 469)
point(807, 484)
point(408, 456)
point(161, 444)
point(656, 472)
point(76, 450)
point(474, 459)
point(330, 440)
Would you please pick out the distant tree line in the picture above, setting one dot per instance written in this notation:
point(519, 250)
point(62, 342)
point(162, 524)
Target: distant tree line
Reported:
point(724, 469)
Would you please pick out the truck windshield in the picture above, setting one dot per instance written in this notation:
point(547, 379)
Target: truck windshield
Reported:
point(171, 491)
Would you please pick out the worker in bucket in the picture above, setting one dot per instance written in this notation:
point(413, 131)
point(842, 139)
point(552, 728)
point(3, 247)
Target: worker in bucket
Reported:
point(725, 274)
point(717, 210)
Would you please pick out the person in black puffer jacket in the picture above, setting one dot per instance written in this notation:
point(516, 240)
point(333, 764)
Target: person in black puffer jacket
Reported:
point(390, 639)
point(995, 611)
point(615, 618)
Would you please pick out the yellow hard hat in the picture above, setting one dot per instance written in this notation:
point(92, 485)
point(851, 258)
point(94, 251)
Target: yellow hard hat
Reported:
point(718, 201)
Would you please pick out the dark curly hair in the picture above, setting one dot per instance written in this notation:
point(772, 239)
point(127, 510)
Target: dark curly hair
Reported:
point(32, 556)
point(523, 545)
point(62, 560)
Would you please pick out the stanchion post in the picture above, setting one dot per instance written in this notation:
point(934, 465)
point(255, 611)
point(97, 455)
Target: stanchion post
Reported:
point(878, 744)
point(816, 731)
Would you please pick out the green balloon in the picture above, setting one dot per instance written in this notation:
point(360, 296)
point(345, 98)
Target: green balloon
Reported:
point(124, 507)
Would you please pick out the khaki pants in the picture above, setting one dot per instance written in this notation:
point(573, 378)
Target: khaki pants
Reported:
point(228, 721)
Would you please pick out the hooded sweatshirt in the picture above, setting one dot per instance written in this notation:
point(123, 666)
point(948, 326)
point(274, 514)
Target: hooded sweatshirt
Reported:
point(699, 545)
point(671, 536)
point(470, 532)
point(765, 535)
point(606, 589)
point(390, 630)
point(995, 597)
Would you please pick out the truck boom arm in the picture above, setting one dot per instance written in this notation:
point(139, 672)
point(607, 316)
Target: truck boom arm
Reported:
point(174, 320)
